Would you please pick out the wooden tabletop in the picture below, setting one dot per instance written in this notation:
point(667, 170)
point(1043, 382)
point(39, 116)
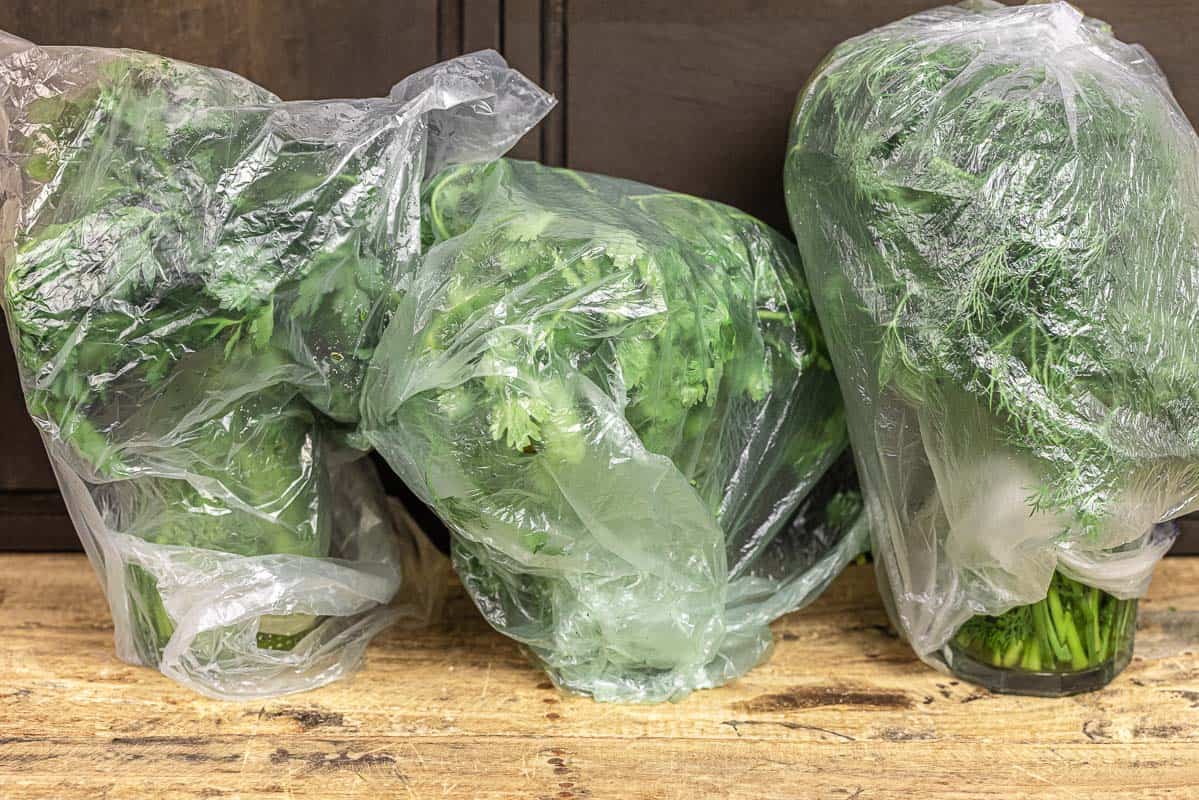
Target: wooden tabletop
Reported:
point(842, 710)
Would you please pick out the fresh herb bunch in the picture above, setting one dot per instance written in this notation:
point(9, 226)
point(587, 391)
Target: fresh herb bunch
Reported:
point(200, 273)
point(996, 208)
point(1074, 628)
point(616, 396)
point(177, 209)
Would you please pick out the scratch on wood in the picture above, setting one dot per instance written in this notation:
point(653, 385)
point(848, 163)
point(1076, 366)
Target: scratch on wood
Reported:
point(26, 758)
point(1164, 731)
point(1096, 729)
point(567, 775)
point(801, 697)
point(158, 740)
point(341, 760)
point(308, 718)
point(486, 682)
point(191, 749)
point(1040, 778)
point(736, 724)
point(901, 735)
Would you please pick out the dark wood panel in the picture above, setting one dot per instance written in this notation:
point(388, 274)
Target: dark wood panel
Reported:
point(35, 521)
point(554, 65)
point(23, 464)
point(694, 96)
point(295, 48)
point(1188, 538)
point(482, 23)
point(520, 32)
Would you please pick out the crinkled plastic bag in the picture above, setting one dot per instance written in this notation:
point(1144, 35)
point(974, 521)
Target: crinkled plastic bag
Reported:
point(997, 213)
point(619, 401)
point(195, 277)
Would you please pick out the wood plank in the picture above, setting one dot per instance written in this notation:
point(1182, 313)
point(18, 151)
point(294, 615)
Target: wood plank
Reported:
point(449, 28)
point(300, 49)
point(23, 462)
point(482, 25)
point(1188, 537)
point(36, 521)
point(521, 44)
point(555, 80)
point(841, 710)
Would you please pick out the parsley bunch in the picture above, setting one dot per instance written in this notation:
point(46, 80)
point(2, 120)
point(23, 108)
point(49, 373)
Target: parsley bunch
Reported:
point(617, 397)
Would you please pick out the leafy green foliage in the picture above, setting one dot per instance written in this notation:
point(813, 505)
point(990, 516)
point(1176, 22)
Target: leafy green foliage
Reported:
point(178, 211)
point(615, 396)
point(625, 307)
point(1012, 239)
point(199, 281)
point(1076, 627)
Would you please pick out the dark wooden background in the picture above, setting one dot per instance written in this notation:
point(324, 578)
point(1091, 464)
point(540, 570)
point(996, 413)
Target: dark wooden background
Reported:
point(692, 95)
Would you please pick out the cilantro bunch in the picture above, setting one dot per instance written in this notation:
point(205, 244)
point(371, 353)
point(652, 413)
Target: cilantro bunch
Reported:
point(997, 212)
point(199, 275)
point(195, 277)
point(617, 397)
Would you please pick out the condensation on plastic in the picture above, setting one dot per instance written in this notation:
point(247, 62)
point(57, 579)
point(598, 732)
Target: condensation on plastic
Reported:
point(996, 209)
point(195, 276)
point(618, 400)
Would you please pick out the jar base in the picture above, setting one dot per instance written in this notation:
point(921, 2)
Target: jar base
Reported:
point(1035, 684)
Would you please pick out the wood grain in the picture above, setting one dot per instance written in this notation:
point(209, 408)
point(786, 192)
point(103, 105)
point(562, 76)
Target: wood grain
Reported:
point(842, 710)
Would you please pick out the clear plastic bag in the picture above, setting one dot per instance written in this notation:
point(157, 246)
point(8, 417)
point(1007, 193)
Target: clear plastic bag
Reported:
point(996, 208)
point(195, 277)
point(619, 401)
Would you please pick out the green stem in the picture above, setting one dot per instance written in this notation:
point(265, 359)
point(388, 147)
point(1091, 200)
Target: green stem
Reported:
point(1075, 627)
point(1012, 657)
point(1044, 626)
point(1063, 624)
point(1031, 660)
point(1078, 654)
point(1092, 613)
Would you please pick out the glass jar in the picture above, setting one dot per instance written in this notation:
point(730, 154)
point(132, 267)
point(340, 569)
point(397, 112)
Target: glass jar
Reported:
point(1075, 640)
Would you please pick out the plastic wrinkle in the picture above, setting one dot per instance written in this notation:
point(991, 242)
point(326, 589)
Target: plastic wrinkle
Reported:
point(618, 400)
point(996, 208)
point(196, 275)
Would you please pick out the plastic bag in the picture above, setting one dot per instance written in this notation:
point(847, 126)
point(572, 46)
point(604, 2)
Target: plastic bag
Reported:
point(195, 276)
point(997, 213)
point(617, 398)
